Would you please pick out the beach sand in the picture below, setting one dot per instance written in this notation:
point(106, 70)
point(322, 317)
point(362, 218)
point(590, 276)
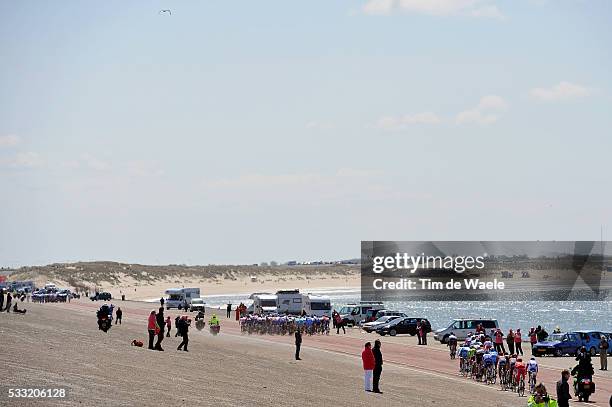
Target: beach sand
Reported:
point(59, 346)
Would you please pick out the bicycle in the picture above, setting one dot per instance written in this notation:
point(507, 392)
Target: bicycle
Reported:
point(532, 382)
point(521, 386)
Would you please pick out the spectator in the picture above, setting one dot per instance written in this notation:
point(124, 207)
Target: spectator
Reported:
point(151, 327)
point(533, 338)
point(603, 353)
point(1, 299)
point(161, 323)
point(8, 302)
point(162, 301)
point(176, 324)
point(339, 323)
point(183, 328)
point(367, 357)
point(423, 331)
point(563, 393)
point(499, 341)
point(119, 314)
point(378, 362)
point(298, 343)
point(518, 344)
point(418, 332)
point(168, 326)
point(510, 341)
point(229, 311)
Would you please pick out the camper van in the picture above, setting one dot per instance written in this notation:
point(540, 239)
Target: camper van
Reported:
point(263, 304)
point(290, 302)
point(354, 314)
point(176, 297)
point(317, 305)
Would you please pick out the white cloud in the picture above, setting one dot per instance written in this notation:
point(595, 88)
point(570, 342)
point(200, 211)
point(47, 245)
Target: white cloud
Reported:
point(10, 140)
point(470, 8)
point(488, 111)
point(401, 122)
point(560, 92)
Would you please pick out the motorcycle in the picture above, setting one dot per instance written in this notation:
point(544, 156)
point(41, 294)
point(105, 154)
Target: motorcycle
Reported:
point(583, 388)
point(200, 324)
point(215, 329)
point(105, 319)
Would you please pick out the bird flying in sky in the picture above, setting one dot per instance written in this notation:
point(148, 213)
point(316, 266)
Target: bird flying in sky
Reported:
point(165, 11)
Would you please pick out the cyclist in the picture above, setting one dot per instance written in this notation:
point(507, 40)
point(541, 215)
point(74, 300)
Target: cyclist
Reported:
point(511, 364)
point(520, 369)
point(489, 360)
point(532, 368)
point(502, 363)
point(452, 344)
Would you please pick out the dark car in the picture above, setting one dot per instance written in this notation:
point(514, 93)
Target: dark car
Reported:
point(104, 296)
point(558, 345)
point(401, 326)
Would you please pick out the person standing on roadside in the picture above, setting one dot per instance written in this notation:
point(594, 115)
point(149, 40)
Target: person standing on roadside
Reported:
point(367, 357)
point(339, 324)
point(162, 301)
point(8, 302)
point(1, 299)
point(378, 362)
point(518, 344)
point(183, 328)
point(119, 314)
point(298, 343)
point(161, 323)
point(418, 332)
point(151, 328)
point(533, 338)
point(603, 353)
point(229, 311)
point(510, 341)
point(168, 326)
point(499, 341)
point(563, 393)
point(176, 325)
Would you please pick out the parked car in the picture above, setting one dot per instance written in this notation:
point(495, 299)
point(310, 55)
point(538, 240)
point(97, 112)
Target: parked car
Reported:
point(374, 314)
point(558, 345)
point(591, 340)
point(371, 326)
point(405, 325)
point(103, 296)
point(462, 327)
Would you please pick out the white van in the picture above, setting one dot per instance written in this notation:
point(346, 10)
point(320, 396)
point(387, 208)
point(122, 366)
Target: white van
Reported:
point(462, 327)
point(176, 297)
point(354, 314)
point(318, 305)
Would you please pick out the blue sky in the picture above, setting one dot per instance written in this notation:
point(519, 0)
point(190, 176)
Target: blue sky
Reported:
point(240, 132)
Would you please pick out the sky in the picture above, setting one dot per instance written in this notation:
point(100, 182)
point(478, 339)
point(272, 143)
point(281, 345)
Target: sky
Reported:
point(243, 132)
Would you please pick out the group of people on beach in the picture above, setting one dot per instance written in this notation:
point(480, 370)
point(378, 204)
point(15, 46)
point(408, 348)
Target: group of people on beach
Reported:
point(9, 301)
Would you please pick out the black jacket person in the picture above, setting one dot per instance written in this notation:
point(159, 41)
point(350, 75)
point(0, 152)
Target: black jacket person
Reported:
point(183, 328)
point(161, 322)
point(298, 343)
point(378, 362)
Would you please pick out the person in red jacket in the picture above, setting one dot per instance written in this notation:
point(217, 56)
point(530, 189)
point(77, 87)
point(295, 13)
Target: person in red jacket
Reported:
point(152, 327)
point(367, 358)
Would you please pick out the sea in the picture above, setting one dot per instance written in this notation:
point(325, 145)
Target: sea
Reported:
point(567, 315)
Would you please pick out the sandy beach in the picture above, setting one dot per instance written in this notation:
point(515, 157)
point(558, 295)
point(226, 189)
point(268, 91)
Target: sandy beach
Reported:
point(59, 346)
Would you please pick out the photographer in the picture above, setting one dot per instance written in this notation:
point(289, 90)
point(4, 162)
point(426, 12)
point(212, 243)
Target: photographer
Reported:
point(541, 398)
